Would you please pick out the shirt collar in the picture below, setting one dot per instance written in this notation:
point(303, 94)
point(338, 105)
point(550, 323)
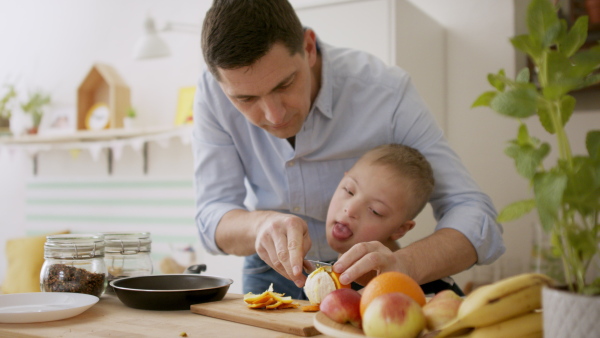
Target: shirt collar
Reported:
point(323, 102)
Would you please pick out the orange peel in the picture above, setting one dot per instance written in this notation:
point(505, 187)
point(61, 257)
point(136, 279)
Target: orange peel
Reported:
point(269, 300)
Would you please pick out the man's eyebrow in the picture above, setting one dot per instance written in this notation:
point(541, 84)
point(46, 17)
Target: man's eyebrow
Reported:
point(279, 85)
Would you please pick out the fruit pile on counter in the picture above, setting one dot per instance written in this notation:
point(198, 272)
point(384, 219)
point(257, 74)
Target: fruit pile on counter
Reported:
point(393, 305)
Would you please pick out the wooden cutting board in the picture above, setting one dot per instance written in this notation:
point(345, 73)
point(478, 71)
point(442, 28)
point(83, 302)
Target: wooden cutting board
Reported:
point(233, 308)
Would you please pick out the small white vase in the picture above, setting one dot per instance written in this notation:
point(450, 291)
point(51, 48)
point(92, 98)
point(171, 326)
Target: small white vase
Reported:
point(20, 122)
point(128, 123)
point(567, 314)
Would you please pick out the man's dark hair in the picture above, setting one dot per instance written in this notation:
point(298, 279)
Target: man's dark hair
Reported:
point(237, 33)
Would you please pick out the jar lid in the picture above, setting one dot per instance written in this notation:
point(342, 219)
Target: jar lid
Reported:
point(74, 246)
point(127, 243)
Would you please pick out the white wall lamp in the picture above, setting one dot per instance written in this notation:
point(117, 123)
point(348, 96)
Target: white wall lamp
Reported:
point(151, 45)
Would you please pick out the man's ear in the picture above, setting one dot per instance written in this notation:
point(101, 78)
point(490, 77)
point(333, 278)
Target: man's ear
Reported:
point(310, 46)
point(403, 229)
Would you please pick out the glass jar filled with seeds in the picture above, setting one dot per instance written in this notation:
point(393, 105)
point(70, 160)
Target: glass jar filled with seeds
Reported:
point(127, 254)
point(74, 263)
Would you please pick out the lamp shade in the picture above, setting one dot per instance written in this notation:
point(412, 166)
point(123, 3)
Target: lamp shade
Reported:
point(150, 45)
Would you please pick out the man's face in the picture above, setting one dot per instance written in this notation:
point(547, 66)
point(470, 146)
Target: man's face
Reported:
point(369, 204)
point(276, 92)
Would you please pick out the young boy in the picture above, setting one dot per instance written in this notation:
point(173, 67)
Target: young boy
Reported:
point(379, 197)
point(378, 200)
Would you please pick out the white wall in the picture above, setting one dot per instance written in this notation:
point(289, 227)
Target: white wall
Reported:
point(478, 33)
point(52, 44)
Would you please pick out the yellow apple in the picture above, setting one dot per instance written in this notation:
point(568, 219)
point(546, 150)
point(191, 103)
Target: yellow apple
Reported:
point(441, 309)
point(393, 315)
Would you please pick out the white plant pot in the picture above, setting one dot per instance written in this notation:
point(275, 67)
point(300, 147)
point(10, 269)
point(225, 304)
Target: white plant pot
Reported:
point(20, 122)
point(128, 123)
point(567, 314)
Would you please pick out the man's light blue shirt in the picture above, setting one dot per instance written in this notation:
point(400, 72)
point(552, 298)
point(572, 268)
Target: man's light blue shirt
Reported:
point(362, 103)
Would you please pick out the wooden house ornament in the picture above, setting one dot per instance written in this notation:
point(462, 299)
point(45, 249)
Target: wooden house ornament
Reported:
point(103, 99)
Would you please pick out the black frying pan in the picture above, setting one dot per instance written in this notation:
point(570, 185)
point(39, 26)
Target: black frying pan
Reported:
point(169, 292)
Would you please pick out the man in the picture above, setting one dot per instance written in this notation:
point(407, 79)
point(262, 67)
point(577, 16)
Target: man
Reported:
point(287, 114)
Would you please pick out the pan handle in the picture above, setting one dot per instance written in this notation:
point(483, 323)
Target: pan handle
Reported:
point(196, 269)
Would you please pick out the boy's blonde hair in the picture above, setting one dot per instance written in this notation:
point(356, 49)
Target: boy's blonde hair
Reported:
point(408, 163)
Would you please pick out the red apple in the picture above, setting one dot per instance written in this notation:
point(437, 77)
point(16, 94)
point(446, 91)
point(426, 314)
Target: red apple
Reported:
point(342, 306)
point(441, 309)
point(393, 315)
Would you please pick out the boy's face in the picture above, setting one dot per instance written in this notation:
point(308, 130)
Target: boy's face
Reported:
point(369, 204)
point(276, 92)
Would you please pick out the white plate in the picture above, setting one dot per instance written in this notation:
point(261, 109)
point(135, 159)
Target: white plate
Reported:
point(43, 306)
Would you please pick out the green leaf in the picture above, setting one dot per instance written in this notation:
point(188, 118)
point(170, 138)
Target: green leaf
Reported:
point(497, 80)
point(582, 185)
point(542, 22)
point(529, 159)
point(484, 99)
point(560, 77)
point(518, 102)
point(530, 47)
point(523, 135)
point(575, 38)
point(516, 210)
point(590, 80)
point(592, 144)
point(584, 62)
point(567, 106)
point(523, 76)
point(549, 188)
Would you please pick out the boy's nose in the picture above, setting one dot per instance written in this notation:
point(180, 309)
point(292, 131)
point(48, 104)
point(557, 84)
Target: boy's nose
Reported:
point(350, 210)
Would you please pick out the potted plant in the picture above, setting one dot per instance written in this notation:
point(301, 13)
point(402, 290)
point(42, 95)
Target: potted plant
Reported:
point(129, 118)
point(567, 194)
point(34, 106)
point(6, 105)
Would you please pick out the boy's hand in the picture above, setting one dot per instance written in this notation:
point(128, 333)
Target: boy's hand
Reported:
point(282, 241)
point(366, 260)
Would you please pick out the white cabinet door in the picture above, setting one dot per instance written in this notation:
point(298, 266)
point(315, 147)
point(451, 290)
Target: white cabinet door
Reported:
point(396, 31)
point(363, 25)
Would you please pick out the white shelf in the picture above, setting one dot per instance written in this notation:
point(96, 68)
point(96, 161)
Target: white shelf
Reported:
point(111, 140)
point(89, 135)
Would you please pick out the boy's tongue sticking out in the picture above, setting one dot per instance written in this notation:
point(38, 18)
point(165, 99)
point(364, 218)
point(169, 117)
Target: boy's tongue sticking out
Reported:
point(341, 232)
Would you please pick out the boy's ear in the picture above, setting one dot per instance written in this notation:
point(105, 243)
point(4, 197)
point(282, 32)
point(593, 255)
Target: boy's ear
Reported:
point(402, 230)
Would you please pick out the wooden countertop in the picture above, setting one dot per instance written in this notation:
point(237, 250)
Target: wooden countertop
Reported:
point(110, 318)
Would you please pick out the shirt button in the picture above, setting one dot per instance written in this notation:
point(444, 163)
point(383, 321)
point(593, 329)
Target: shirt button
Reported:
point(296, 209)
point(291, 163)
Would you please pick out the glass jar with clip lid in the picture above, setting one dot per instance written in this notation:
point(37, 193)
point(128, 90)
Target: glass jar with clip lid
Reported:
point(74, 263)
point(127, 254)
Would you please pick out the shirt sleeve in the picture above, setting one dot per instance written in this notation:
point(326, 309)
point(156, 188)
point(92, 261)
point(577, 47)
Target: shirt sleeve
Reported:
point(218, 171)
point(457, 201)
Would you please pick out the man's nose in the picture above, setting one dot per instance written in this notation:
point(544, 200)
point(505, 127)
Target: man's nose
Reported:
point(274, 110)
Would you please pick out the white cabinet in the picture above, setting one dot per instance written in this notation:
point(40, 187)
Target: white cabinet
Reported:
point(394, 30)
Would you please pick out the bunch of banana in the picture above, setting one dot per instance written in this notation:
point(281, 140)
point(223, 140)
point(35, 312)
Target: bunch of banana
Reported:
point(507, 308)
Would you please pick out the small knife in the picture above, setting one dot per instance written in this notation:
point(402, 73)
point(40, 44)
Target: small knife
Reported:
point(317, 264)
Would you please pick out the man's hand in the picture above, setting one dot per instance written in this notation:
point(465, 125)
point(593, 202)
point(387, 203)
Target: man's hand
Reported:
point(282, 241)
point(366, 260)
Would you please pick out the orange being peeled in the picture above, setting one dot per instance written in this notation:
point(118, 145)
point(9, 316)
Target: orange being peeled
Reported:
point(388, 282)
point(336, 279)
point(320, 283)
